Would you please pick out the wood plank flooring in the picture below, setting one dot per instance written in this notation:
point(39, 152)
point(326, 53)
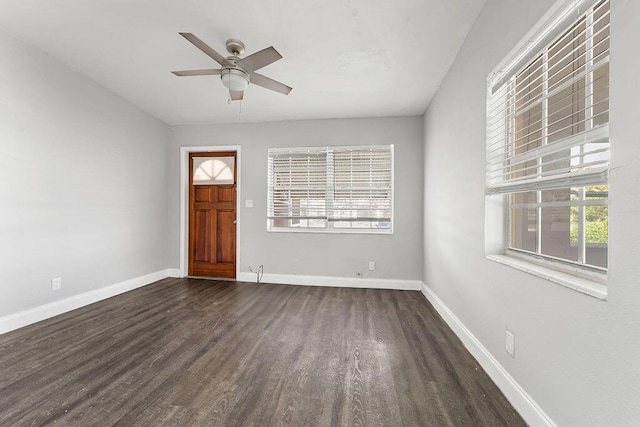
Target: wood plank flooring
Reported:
point(197, 352)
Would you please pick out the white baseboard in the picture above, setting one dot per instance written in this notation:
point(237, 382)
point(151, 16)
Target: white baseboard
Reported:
point(36, 314)
point(174, 272)
point(524, 404)
point(246, 276)
point(341, 282)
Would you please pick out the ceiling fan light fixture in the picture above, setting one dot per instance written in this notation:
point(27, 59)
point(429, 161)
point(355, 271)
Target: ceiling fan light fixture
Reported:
point(234, 79)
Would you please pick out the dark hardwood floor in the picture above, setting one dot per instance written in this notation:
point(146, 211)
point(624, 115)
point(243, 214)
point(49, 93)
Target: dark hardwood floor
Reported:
point(197, 352)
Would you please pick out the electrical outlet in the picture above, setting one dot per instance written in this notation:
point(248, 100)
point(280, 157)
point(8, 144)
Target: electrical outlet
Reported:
point(248, 203)
point(372, 265)
point(56, 283)
point(510, 343)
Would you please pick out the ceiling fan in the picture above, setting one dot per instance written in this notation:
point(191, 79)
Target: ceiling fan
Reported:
point(236, 73)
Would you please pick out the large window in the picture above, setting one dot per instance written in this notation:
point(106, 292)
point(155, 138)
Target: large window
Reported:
point(548, 139)
point(340, 189)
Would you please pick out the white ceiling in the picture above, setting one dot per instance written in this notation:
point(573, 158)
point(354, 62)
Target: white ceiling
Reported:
point(343, 58)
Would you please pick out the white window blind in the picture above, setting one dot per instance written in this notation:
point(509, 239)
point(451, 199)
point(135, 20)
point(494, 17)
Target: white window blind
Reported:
point(548, 120)
point(334, 188)
point(362, 184)
point(297, 184)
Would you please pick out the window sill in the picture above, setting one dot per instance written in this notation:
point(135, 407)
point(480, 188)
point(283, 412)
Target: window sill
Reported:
point(579, 284)
point(382, 231)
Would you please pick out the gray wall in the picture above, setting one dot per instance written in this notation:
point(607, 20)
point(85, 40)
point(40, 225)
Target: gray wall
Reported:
point(83, 190)
point(397, 256)
point(575, 355)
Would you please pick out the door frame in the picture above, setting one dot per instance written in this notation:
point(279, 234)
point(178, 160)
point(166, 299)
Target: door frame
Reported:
point(184, 201)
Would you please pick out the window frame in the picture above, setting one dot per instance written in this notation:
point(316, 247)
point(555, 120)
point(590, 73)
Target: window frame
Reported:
point(329, 225)
point(498, 246)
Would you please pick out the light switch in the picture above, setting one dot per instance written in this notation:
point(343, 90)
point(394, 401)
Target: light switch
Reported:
point(248, 203)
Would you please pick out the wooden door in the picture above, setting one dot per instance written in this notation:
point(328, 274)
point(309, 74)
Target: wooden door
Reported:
point(212, 214)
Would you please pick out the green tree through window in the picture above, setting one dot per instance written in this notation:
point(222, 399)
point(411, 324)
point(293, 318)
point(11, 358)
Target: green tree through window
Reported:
point(596, 217)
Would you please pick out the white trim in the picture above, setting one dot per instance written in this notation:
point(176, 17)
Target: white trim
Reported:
point(174, 272)
point(568, 278)
point(184, 201)
point(533, 414)
point(329, 230)
point(46, 311)
point(339, 282)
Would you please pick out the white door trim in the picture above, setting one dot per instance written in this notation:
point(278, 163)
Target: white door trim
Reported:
point(184, 201)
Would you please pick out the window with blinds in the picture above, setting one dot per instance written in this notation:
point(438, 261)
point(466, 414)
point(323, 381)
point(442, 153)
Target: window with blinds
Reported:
point(297, 188)
point(330, 188)
point(548, 137)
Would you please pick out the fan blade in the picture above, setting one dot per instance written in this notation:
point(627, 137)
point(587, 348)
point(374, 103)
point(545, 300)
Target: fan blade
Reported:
point(260, 59)
point(268, 83)
point(209, 72)
point(236, 95)
point(205, 48)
